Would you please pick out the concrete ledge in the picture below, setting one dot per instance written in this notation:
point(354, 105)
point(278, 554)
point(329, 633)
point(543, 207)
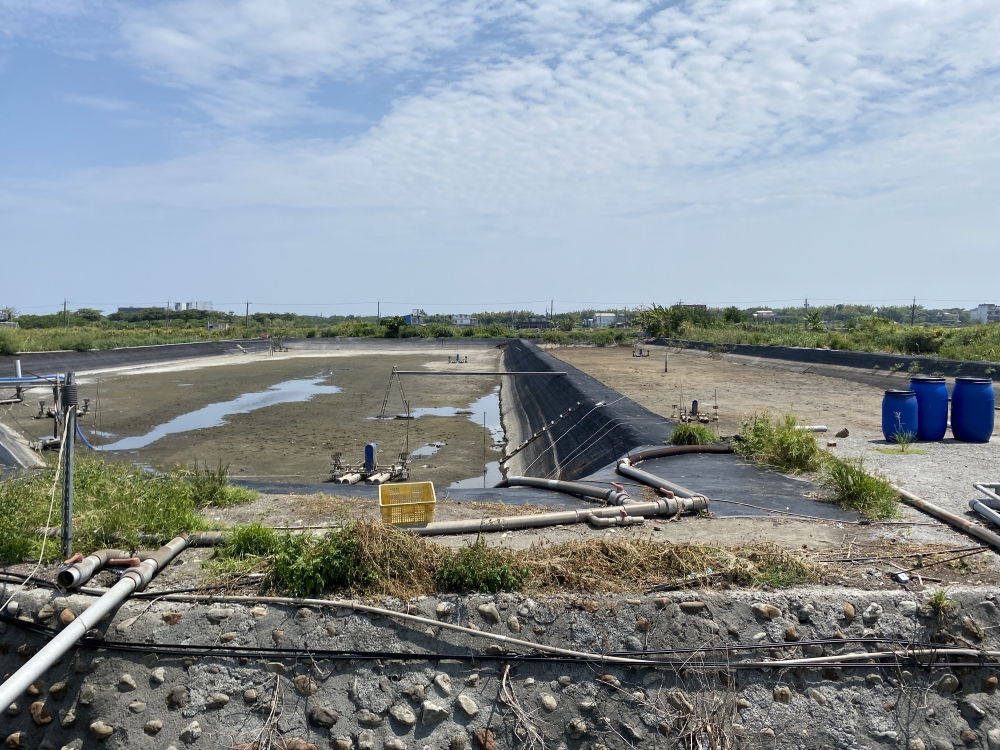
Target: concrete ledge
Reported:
point(101, 359)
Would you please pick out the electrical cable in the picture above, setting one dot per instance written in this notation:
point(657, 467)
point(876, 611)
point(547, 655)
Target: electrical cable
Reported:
point(843, 660)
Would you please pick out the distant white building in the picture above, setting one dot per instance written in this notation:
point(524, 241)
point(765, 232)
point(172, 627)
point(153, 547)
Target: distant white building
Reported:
point(604, 320)
point(218, 326)
point(764, 315)
point(464, 320)
point(986, 314)
point(193, 306)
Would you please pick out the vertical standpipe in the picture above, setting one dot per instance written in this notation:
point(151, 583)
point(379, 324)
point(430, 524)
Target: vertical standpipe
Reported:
point(69, 402)
point(370, 456)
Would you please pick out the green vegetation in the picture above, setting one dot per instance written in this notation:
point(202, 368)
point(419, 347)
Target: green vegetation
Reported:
point(113, 504)
point(692, 434)
point(481, 568)
point(940, 604)
point(904, 439)
point(875, 334)
point(369, 558)
point(855, 488)
point(778, 442)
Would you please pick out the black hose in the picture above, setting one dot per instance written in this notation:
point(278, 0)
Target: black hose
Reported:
point(677, 450)
point(569, 488)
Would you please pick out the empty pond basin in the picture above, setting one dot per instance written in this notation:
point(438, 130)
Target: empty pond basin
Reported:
point(214, 415)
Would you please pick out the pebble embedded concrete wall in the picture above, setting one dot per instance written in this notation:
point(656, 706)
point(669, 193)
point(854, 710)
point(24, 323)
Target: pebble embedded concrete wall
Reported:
point(579, 444)
point(114, 699)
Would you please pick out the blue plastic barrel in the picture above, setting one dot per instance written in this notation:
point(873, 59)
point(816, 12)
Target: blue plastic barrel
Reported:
point(370, 457)
point(932, 406)
point(899, 413)
point(972, 403)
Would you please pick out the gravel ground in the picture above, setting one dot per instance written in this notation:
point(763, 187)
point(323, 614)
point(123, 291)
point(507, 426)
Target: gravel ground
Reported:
point(942, 474)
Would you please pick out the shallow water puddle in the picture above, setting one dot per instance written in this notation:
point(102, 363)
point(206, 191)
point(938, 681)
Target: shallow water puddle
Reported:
point(493, 476)
point(214, 415)
point(488, 405)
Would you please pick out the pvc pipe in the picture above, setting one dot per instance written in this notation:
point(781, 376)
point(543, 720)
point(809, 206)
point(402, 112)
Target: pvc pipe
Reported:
point(80, 572)
point(664, 507)
point(812, 427)
point(985, 511)
point(349, 479)
point(602, 523)
point(611, 496)
point(134, 579)
point(17, 368)
point(626, 469)
point(957, 521)
point(380, 478)
point(990, 490)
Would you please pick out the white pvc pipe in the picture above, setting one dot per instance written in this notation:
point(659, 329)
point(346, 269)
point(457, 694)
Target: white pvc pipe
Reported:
point(812, 427)
point(17, 368)
point(133, 580)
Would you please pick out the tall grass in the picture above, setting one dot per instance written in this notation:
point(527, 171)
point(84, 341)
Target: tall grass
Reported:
point(857, 489)
point(114, 503)
point(692, 434)
point(777, 442)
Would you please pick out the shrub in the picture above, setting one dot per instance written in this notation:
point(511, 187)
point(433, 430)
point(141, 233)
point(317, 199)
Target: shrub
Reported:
point(208, 487)
point(9, 343)
point(252, 540)
point(778, 442)
point(481, 568)
point(854, 488)
point(692, 434)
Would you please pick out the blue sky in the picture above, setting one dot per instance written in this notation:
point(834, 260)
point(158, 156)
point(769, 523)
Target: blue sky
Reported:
point(460, 155)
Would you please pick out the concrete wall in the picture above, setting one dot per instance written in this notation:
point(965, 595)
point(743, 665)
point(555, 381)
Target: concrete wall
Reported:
point(863, 360)
point(584, 441)
point(45, 363)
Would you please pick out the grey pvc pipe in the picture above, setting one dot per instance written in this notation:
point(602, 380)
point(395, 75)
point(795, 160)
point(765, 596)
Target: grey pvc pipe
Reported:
point(985, 511)
point(81, 572)
point(612, 497)
point(627, 470)
point(134, 579)
point(664, 507)
point(950, 518)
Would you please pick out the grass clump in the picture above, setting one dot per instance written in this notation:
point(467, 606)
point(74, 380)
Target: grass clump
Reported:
point(856, 489)
point(212, 487)
point(778, 442)
point(692, 434)
point(940, 604)
point(362, 556)
point(481, 568)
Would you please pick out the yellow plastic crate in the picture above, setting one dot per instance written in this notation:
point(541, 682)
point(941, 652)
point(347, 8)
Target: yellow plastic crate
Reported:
point(407, 503)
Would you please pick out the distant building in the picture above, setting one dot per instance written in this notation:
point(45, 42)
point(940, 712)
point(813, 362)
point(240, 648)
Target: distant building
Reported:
point(764, 315)
point(4, 323)
point(415, 318)
point(986, 314)
point(464, 320)
point(180, 306)
point(605, 320)
point(700, 308)
point(532, 324)
point(131, 310)
point(218, 326)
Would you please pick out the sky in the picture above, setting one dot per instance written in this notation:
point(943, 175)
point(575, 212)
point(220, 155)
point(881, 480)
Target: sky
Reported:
point(465, 155)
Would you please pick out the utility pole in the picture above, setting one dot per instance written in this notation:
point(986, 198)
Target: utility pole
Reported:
point(168, 315)
point(378, 311)
point(248, 317)
point(65, 315)
point(69, 402)
point(913, 311)
point(805, 322)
